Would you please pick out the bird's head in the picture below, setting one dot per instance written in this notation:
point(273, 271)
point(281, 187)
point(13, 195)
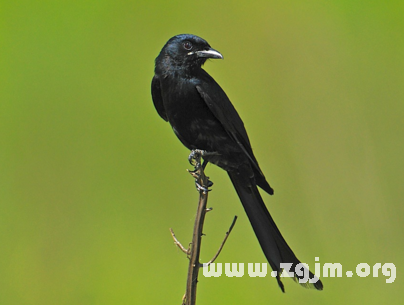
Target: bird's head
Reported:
point(186, 51)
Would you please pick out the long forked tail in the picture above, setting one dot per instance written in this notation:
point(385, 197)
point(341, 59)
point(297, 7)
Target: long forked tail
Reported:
point(270, 238)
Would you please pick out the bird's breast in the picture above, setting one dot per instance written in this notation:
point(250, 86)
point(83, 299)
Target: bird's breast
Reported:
point(191, 119)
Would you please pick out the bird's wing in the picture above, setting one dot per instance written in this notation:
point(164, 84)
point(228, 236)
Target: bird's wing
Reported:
point(157, 98)
point(224, 111)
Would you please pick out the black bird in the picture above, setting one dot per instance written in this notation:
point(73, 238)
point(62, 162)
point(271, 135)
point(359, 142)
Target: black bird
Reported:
point(203, 118)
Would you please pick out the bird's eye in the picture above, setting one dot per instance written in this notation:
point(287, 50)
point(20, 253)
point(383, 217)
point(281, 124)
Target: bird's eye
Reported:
point(187, 45)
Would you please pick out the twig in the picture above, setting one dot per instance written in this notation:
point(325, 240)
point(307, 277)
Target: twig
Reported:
point(222, 245)
point(177, 242)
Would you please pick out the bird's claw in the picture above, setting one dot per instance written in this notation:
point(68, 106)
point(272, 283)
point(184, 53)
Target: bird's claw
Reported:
point(194, 158)
point(201, 188)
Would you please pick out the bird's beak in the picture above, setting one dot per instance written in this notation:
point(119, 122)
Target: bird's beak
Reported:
point(211, 53)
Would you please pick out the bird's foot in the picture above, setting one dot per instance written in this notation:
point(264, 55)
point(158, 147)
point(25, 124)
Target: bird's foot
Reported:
point(195, 156)
point(201, 188)
point(198, 186)
point(194, 159)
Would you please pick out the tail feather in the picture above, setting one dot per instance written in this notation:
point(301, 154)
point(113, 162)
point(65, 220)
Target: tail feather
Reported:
point(273, 245)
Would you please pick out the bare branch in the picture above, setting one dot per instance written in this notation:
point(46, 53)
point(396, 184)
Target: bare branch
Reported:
point(222, 245)
point(176, 241)
point(202, 184)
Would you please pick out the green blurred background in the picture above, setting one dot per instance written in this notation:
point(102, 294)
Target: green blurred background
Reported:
point(91, 178)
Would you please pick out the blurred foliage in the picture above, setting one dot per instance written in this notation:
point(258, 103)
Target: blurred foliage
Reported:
point(91, 178)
